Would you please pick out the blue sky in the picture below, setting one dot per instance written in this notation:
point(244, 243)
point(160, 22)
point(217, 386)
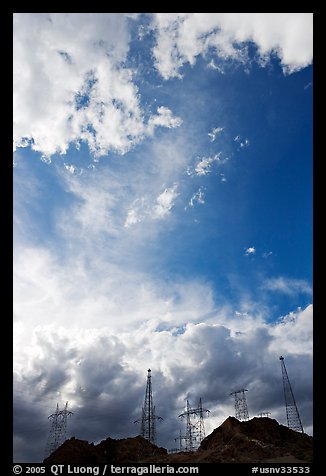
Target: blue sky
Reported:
point(162, 200)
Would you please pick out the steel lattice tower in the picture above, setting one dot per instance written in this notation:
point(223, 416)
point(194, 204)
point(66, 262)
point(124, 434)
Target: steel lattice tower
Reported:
point(292, 412)
point(264, 414)
point(58, 430)
point(195, 430)
point(180, 438)
point(240, 404)
point(148, 419)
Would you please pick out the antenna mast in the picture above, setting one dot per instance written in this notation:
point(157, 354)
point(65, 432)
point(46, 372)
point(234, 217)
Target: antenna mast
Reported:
point(292, 412)
point(148, 419)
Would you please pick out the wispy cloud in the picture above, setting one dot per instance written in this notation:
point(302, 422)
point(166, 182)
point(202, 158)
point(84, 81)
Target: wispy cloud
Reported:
point(251, 250)
point(204, 166)
point(71, 168)
point(137, 212)
point(240, 314)
point(214, 66)
point(165, 202)
point(242, 142)
point(142, 208)
point(214, 133)
point(197, 197)
point(287, 286)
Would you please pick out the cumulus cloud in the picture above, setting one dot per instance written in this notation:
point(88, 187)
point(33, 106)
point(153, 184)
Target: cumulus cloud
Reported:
point(71, 85)
point(92, 309)
point(182, 37)
point(251, 250)
point(91, 344)
point(287, 286)
point(102, 374)
point(291, 329)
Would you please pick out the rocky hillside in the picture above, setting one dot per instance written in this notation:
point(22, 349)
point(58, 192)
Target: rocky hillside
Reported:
point(126, 450)
point(253, 441)
point(256, 440)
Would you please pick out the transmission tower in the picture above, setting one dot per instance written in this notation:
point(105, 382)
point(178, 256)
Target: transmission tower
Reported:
point(179, 439)
point(195, 429)
point(240, 404)
point(292, 412)
point(148, 419)
point(58, 430)
point(264, 414)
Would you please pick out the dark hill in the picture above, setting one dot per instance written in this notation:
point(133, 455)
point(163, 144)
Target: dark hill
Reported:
point(256, 440)
point(127, 450)
point(253, 441)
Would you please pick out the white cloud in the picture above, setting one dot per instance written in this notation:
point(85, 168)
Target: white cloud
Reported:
point(213, 65)
point(242, 142)
point(70, 84)
point(267, 254)
point(214, 133)
point(292, 331)
point(99, 365)
point(204, 166)
point(164, 118)
point(112, 203)
point(182, 37)
point(137, 212)
point(91, 313)
point(241, 314)
point(145, 208)
point(287, 286)
point(86, 329)
point(197, 197)
point(245, 143)
point(165, 202)
point(250, 251)
point(71, 168)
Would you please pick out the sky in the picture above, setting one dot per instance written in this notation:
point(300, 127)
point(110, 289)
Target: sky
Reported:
point(162, 175)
